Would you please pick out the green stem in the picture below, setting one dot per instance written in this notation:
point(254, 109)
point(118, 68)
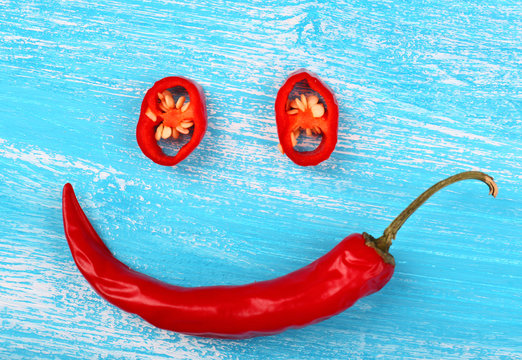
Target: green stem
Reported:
point(385, 241)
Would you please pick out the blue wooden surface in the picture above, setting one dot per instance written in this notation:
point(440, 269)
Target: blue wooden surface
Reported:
point(425, 88)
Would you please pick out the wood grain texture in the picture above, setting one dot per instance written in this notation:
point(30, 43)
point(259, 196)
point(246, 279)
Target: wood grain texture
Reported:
point(425, 89)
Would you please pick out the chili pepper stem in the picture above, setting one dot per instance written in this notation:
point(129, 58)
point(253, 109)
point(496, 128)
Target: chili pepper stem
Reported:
point(384, 242)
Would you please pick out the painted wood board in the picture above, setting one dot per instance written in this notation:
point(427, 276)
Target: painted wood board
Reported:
point(425, 89)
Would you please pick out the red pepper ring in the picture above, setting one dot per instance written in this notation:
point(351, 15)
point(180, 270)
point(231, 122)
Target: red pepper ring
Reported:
point(358, 266)
point(163, 117)
point(309, 114)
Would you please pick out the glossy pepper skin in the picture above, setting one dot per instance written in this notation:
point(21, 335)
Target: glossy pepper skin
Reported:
point(358, 266)
point(146, 128)
point(318, 291)
point(286, 123)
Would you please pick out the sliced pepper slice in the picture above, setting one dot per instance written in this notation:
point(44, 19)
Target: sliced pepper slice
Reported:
point(309, 113)
point(162, 116)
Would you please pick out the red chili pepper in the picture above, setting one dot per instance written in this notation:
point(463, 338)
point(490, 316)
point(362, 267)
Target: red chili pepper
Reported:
point(310, 113)
point(162, 117)
point(358, 266)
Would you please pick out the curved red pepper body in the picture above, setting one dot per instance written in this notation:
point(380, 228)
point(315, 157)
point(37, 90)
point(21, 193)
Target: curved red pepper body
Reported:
point(152, 115)
point(289, 121)
point(313, 293)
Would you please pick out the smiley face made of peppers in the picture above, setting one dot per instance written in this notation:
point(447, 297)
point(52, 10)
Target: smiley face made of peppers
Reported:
point(358, 266)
